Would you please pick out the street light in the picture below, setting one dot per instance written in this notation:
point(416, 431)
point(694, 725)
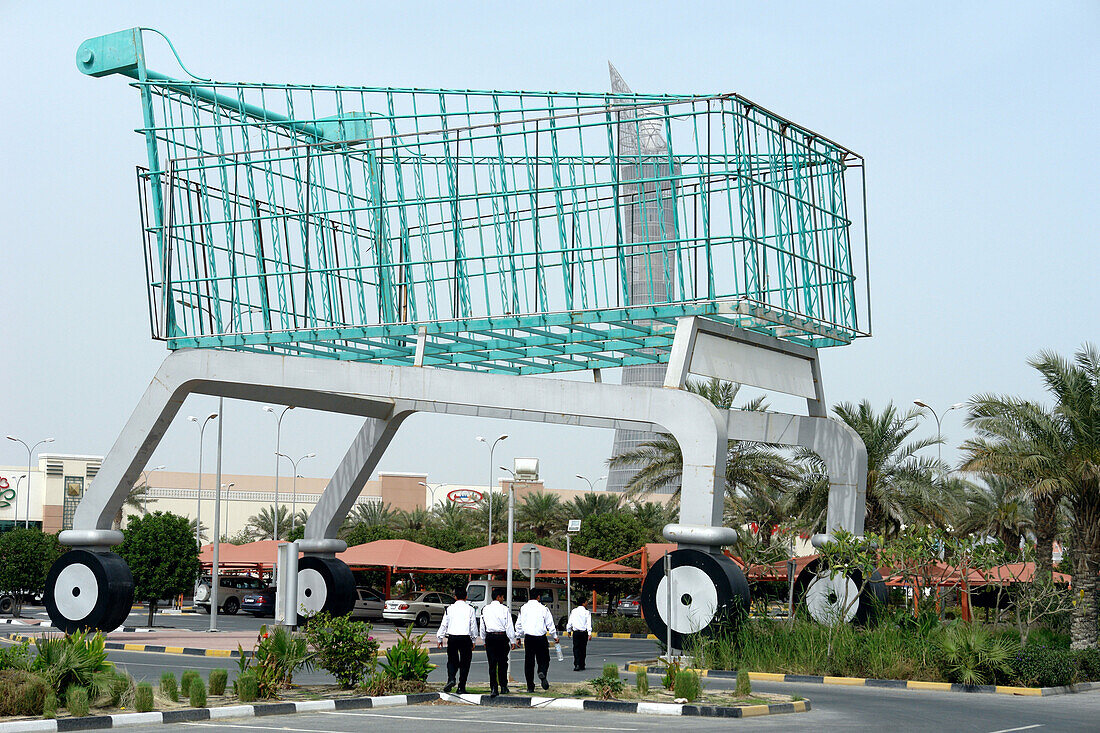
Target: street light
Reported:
point(939, 433)
point(591, 487)
point(511, 513)
point(294, 500)
point(198, 507)
point(278, 438)
point(145, 497)
point(433, 490)
point(30, 451)
point(492, 449)
point(214, 584)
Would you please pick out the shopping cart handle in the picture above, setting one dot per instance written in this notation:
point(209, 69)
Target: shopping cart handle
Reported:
point(114, 53)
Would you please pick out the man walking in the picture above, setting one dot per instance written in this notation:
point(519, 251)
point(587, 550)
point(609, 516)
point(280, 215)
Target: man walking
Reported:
point(460, 627)
point(580, 623)
point(534, 623)
point(500, 636)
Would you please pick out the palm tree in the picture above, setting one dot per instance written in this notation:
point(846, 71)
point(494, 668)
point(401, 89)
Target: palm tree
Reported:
point(413, 520)
point(541, 513)
point(1055, 453)
point(262, 524)
point(997, 508)
point(136, 499)
point(901, 487)
point(765, 505)
point(654, 516)
point(203, 533)
point(452, 516)
point(591, 503)
point(373, 514)
point(500, 515)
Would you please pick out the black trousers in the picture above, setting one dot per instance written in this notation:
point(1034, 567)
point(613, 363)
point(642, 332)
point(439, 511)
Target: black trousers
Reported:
point(460, 650)
point(580, 648)
point(496, 650)
point(535, 649)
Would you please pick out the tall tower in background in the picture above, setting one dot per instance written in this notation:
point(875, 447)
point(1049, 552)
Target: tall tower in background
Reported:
point(648, 224)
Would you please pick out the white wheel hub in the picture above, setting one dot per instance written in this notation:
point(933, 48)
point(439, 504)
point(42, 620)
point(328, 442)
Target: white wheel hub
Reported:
point(76, 591)
point(312, 592)
point(832, 599)
point(694, 599)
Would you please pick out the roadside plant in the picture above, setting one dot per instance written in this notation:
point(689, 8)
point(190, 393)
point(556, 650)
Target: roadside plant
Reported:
point(120, 689)
point(687, 685)
point(168, 686)
point(277, 656)
point(669, 679)
point(186, 679)
point(74, 659)
point(343, 647)
point(246, 686)
point(407, 659)
point(744, 684)
point(607, 688)
point(197, 693)
point(16, 657)
point(49, 705)
point(76, 701)
point(143, 697)
point(22, 692)
point(641, 682)
point(611, 671)
point(217, 681)
point(969, 654)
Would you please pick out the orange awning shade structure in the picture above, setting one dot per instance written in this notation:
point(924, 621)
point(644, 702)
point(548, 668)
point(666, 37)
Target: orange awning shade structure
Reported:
point(254, 554)
point(397, 555)
point(494, 558)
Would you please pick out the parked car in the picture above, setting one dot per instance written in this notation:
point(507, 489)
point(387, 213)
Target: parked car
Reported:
point(231, 591)
point(420, 609)
point(259, 603)
point(553, 596)
point(368, 603)
point(629, 606)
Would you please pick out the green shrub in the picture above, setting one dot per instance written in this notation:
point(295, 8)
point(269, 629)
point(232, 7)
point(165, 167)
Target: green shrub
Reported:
point(620, 625)
point(247, 687)
point(186, 679)
point(217, 681)
point(120, 689)
point(49, 706)
point(344, 648)
point(74, 659)
point(973, 656)
point(22, 692)
point(1049, 638)
point(744, 684)
point(607, 688)
point(197, 693)
point(143, 697)
point(1041, 666)
point(168, 687)
point(641, 682)
point(669, 680)
point(610, 672)
point(1088, 665)
point(277, 655)
point(15, 657)
point(76, 701)
point(687, 685)
point(407, 659)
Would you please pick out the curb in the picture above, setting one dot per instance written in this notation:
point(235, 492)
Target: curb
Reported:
point(196, 715)
point(615, 635)
point(155, 648)
point(891, 684)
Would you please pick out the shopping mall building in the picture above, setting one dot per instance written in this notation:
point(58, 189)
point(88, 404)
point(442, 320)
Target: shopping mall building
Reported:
point(58, 482)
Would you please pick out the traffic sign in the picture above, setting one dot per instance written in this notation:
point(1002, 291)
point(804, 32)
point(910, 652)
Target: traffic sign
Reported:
point(574, 525)
point(530, 560)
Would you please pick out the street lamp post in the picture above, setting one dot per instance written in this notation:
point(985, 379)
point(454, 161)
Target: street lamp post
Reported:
point(145, 477)
point(294, 490)
point(492, 449)
point(511, 514)
point(432, 489)
point(198, 503)
point(30, 452)
point(591, 487)
point(278, 438)
point(215, 579)
point(939, 419)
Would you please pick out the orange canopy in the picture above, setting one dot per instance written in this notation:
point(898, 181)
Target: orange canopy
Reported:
point(397, 554)
point(262, 554)
point(495, 557)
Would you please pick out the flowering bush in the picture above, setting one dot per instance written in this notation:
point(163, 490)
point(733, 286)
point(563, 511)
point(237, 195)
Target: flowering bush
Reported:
point(277, 655)
point(344, 648)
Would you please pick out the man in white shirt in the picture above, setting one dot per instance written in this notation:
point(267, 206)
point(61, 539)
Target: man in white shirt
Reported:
point(460, 627)
point(534, 623)
point(580, 623)
point(500, 636)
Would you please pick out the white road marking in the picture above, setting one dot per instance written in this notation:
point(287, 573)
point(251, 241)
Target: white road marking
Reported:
point(482, 721)
point(1022, 727)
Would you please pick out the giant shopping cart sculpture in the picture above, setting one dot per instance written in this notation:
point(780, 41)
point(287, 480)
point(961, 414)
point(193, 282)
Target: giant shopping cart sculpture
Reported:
point(380, 252)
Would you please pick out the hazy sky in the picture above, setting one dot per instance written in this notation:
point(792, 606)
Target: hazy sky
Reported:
point(978, 122)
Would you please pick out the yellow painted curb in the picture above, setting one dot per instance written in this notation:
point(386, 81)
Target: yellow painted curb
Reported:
point(173, 650)
point(752, 711)
point(921, 685)
point(219, 653)
point(800, 706)
point(1030, 691)
point(766, 677)
point(133, 647)
point(854, 681)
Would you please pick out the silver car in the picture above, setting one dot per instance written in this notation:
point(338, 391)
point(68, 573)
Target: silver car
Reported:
point(368, 604)
point(419, 609)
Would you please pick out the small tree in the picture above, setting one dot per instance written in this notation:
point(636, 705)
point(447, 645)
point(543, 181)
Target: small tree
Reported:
point(25, 558)
point(160, 550)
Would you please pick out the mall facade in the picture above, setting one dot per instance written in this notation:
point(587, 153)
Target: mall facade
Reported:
point(58, 482)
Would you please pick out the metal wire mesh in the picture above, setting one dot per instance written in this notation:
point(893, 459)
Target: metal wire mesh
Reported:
point(514, 231)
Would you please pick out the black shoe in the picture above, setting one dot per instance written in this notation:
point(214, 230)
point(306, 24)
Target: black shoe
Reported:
point(505, 691)
point(494, 693)
point(531, 689)
point(449, 686)
point(460, 691)
point(576, 669)
point(545, 684)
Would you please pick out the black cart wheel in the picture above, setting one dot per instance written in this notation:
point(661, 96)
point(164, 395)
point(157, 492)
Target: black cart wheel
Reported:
point(324, 584)
point(835, 597)
point(709, 593)
point(89, 590)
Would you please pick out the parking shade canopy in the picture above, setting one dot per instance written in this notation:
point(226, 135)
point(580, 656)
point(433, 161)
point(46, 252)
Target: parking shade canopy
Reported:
point(398, 555)
point(493, 558)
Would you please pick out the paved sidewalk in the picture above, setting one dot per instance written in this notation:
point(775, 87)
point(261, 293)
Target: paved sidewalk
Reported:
point(204, 640)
